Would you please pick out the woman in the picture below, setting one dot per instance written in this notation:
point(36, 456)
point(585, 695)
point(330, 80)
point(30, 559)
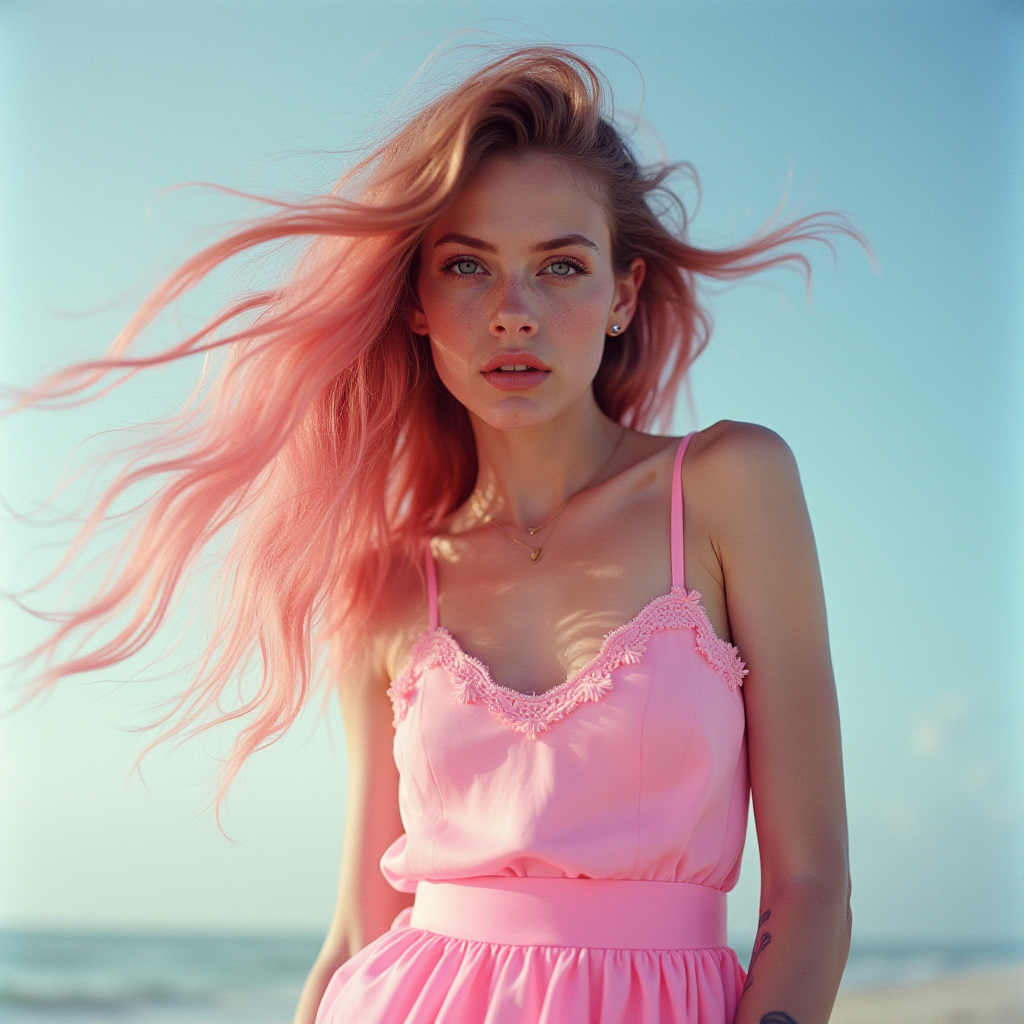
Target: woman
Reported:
point(428, 450)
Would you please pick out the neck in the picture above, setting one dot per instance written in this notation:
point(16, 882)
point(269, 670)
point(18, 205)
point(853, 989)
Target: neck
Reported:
point(526, 476)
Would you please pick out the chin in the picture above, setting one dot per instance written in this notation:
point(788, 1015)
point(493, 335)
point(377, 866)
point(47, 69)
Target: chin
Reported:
point(515, 414)
point(524, 410)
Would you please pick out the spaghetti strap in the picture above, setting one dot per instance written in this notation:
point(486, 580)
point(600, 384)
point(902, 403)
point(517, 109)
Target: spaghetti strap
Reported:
point(431, 568)
point(676, 540)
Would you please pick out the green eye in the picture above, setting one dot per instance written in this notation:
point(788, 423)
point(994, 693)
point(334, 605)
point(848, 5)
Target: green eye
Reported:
point(565, 268)
point(466, 267)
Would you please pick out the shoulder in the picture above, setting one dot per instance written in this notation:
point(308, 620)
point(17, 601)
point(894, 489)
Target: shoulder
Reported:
point(742, 462)
point(376, 650)
point(744, 486)
point(735, 448)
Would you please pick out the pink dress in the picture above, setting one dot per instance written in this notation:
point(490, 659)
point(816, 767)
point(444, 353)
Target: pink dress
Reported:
point(570, 851)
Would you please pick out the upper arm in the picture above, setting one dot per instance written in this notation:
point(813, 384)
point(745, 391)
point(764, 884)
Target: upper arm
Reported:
point(366, 903)
point(776, 608)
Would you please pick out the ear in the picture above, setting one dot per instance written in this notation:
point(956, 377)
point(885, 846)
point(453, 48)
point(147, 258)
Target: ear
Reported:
point(417, 320)
point(413, 314)
point(627, 291)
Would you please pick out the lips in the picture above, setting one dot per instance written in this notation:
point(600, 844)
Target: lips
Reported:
point(515, 371)
point(526, 360)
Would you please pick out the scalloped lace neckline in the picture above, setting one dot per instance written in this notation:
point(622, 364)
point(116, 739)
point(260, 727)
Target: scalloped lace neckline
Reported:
point(535, 712)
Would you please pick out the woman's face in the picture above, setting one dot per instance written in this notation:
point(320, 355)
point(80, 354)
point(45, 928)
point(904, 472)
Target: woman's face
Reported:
point(518, 273)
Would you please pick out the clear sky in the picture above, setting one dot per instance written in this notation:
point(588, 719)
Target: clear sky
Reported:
point(899, 392)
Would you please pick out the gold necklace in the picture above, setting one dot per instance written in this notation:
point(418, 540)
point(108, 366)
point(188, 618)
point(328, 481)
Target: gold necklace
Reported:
point(536, 552)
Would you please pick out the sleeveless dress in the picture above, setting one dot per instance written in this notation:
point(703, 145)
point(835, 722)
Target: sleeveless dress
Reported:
point(570, 851)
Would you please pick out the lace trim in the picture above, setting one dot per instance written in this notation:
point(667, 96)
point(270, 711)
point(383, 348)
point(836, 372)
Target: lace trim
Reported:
point(403, 686)
point(534, 713)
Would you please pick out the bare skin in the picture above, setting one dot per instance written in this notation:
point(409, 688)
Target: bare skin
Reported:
point(749, 551)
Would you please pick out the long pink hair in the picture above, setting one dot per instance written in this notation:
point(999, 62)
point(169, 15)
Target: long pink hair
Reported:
point(302, 459)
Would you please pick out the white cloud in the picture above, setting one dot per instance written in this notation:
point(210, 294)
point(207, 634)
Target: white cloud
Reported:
point(934, 727)
point(978, 776)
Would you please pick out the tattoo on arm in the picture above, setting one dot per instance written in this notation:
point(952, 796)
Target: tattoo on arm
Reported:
point(760, 943)
point(762, 940)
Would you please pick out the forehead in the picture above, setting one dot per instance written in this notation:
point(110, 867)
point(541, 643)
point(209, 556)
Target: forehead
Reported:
point(521, 199)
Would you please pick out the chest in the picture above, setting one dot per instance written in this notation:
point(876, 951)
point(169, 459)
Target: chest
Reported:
point(534, 624)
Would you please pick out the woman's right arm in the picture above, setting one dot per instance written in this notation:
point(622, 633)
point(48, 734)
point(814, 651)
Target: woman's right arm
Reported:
point(366, 903)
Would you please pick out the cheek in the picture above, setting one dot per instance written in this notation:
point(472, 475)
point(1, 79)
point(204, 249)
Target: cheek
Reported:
point(576, 324)
point(455, 315)
point(455, 328)
point(578, 317)
point(451, 362)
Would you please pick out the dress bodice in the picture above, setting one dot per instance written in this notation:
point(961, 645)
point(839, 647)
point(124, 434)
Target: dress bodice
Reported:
point(634, 768)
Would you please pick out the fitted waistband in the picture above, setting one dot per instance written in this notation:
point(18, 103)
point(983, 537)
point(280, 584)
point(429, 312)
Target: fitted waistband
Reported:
point(599, 913)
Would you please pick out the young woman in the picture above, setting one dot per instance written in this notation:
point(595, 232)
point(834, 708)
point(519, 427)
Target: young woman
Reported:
point(566, 648)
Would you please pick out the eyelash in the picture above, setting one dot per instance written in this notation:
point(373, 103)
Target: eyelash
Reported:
point(453, 261)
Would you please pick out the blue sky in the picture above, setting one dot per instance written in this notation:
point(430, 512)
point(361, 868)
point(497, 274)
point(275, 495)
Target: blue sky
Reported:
point(898, 390)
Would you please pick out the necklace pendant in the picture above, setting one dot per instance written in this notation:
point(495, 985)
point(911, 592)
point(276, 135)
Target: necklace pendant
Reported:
point(535, 554)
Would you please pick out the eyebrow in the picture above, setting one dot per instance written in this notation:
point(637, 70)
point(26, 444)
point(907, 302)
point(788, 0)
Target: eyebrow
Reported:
point(563, 242)
point(469, 240)
point(479, 243)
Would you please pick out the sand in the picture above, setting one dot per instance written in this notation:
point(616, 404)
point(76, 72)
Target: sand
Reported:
point(989, 997)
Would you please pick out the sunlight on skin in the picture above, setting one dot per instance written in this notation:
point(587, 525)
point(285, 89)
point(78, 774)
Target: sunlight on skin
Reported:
point(511, 292)
point(522, 263)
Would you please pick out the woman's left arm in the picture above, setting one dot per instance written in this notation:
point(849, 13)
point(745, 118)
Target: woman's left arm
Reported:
point(776, 610)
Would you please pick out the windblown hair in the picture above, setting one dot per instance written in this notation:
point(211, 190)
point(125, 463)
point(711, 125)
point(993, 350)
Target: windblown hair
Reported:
point(302, 460)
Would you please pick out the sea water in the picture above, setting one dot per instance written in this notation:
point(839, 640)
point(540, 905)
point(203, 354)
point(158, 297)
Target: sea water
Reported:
point(105, 978)
point(85, 978)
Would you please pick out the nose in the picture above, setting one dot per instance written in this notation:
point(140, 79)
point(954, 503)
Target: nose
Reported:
point(512, 317)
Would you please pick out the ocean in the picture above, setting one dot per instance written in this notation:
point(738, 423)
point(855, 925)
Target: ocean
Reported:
point(137, 978)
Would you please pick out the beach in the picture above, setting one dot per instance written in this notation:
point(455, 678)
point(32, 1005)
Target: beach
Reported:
point(978, 997)
point(168, 978)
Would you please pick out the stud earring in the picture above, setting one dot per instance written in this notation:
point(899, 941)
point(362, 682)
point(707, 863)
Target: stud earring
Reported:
point(615, 329)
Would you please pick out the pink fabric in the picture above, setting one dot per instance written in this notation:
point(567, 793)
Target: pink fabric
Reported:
point(606, 913)
point(632, 771)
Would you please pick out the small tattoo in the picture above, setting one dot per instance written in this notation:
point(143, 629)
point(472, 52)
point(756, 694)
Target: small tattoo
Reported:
point(777, 1017)
point(759, 946)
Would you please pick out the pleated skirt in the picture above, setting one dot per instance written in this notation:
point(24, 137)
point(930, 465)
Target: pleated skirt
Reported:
point(515, 950)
